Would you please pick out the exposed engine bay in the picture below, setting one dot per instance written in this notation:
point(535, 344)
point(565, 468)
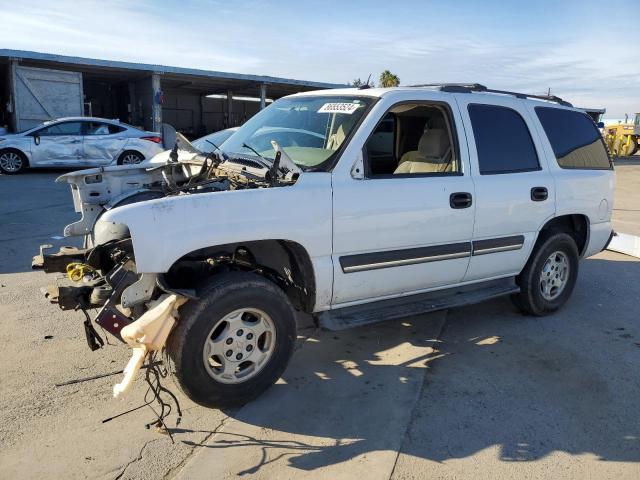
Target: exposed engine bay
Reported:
point(139, 308)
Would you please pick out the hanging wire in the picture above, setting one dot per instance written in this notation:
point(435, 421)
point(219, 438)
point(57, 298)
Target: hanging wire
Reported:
point(154, 374)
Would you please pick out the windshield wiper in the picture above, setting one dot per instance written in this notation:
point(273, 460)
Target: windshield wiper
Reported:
point(266, 164)
point(217, 148)
point(281, 166)
point(214, 145)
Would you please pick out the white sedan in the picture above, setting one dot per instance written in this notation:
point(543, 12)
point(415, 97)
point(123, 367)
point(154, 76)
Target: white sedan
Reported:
point(77, 142)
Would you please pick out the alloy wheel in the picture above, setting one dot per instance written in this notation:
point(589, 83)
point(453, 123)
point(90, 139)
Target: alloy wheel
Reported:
point(11, 162)
point(131, 159)
point(239, 345)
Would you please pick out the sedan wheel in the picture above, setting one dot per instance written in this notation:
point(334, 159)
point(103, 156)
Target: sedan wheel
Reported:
point(11, 162)
point(130, 158)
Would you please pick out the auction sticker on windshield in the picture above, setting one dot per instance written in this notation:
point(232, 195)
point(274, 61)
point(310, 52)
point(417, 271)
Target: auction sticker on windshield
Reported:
point(347, 108)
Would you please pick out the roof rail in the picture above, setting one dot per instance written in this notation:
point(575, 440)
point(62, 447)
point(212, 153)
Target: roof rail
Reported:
point(477, 87)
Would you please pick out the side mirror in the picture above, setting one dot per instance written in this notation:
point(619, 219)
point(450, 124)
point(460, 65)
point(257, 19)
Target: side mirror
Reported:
point(600, 124)
point(169, 136)
point(36, 139)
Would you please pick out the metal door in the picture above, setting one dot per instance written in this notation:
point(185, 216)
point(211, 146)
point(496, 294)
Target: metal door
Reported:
point(59, 144)
point(512, 205)
point(42, 94)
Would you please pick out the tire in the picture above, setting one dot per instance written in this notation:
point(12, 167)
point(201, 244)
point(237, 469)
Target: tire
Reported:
point(130, 157)
point(201, 320)
point(540, 290)
point(13, 161)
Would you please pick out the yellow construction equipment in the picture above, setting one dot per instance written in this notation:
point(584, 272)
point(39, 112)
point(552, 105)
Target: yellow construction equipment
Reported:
point(623, 139)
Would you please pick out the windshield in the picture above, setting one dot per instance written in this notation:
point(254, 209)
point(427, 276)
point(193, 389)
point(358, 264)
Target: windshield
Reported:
point(309, 129)
point(204, 144)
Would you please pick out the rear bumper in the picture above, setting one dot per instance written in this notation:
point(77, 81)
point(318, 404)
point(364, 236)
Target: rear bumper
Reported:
point(600, 235)
point(606, 245)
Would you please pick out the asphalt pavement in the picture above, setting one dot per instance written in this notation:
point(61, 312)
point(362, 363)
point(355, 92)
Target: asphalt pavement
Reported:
point(475, 392)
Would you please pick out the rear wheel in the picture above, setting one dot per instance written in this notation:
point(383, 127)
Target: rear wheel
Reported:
point(130, 158)
point(233, 342)
point(12, 161)
point(548, 279)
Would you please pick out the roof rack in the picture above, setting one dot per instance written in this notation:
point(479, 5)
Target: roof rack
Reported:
point(477, 87)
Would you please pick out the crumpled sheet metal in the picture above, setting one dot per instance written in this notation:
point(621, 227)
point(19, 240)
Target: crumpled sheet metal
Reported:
point(147, 334)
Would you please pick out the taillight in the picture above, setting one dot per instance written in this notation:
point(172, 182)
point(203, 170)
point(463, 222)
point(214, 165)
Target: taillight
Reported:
point(153, 139)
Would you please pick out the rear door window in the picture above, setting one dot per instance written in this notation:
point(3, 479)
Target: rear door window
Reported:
point(99, 128)
point(503, 140)
point(59, 129)
point(575, 139)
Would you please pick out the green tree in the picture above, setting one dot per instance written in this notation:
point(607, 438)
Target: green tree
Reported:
point(388, 79)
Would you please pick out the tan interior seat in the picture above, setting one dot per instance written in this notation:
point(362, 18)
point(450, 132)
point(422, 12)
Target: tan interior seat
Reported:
point(433, 154)
point(336, 139)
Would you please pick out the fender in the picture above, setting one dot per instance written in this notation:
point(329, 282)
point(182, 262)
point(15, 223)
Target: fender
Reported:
point(166, 229)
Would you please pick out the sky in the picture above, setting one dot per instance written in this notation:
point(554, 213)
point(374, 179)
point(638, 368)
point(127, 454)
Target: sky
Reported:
point(584, 51)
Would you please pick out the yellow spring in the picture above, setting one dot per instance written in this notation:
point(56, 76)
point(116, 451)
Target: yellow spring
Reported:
point(76, 271)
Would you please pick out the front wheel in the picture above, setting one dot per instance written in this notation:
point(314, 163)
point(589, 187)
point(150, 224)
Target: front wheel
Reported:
point(233, 342)
point(12, 161)
point(548, 279)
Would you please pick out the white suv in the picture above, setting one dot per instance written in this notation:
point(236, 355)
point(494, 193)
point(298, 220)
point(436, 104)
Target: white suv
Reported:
point(355, 206)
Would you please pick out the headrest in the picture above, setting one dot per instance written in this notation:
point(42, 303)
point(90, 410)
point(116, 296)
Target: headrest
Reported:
point(434, 143)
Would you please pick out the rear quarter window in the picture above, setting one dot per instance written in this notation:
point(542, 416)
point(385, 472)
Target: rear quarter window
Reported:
point(575, 139)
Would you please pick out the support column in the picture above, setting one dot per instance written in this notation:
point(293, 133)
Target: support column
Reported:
point(12, 104)
point(156, 106)
point(133, 117)
point(263, 95)
point(203, 126)
point(229, 108)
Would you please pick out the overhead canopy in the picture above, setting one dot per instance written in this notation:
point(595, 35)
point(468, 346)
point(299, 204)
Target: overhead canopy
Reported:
point(196, 80)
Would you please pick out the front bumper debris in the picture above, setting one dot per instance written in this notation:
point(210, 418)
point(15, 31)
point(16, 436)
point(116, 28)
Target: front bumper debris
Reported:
point(57, 262)
point(95, 278)
point(148, 333)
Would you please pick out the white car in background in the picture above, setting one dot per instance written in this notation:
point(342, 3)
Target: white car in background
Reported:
point(208, 143)
point(77, 142)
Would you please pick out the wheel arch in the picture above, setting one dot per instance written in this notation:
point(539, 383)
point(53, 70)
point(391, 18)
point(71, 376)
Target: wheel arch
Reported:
point(576, 225)
point(284, 262)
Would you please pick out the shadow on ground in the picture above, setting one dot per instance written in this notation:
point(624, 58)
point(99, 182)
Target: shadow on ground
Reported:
point(634, 160)
point(530, 386)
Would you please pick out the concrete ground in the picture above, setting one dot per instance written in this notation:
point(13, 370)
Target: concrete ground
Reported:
point(475, 392)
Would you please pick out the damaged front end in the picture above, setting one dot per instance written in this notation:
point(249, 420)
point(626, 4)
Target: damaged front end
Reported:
point(104, 278)
point(136, 308)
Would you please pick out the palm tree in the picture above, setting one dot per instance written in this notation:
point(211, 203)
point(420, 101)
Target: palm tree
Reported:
point(388, 79)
